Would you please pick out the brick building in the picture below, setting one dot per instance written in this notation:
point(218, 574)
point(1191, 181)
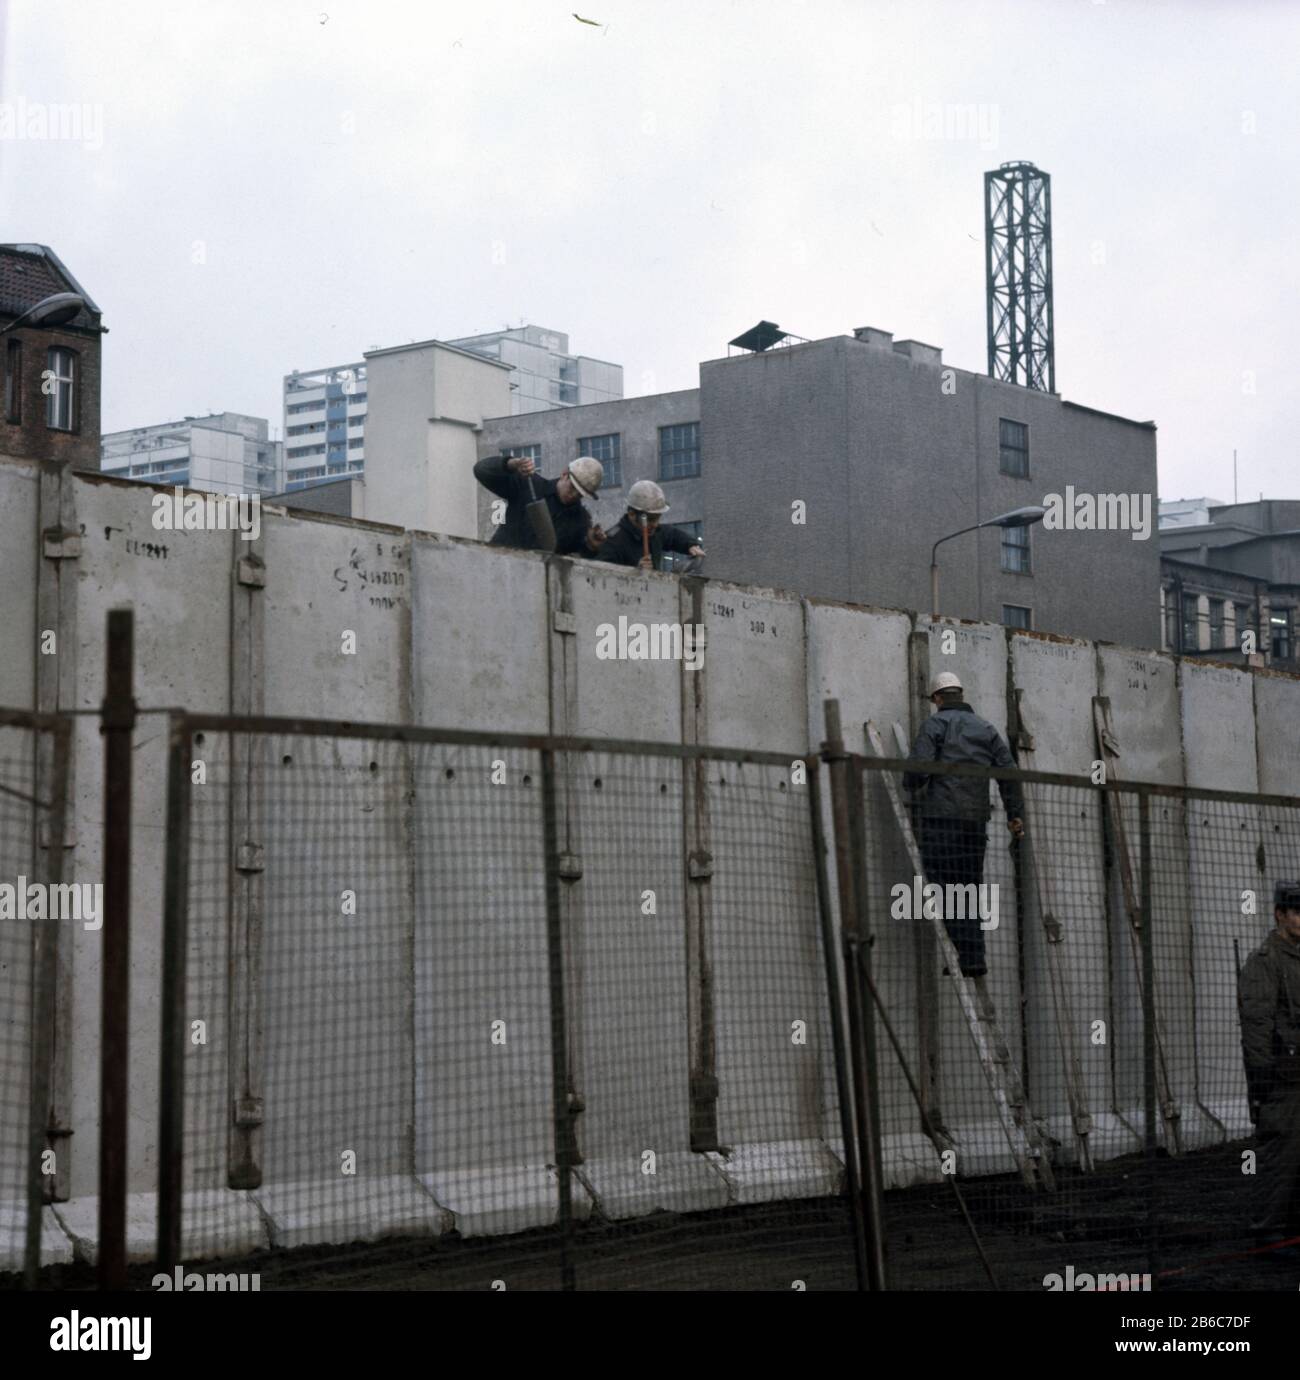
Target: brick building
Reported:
point(52, 371)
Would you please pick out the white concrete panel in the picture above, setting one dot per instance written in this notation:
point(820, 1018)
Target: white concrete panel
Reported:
point(178, 583)
point(1219, 753)
point(324, 581)
point(479, 637)
point(754, 664)
point(1056, 680)
point(1145, 708)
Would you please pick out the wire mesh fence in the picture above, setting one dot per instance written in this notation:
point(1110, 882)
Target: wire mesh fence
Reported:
point(1082, 977)
point(533, 1017)
point(33, 908)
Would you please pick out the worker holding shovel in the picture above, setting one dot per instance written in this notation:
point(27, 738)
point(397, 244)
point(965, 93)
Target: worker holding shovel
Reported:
point(544, 514)
point(640, 539)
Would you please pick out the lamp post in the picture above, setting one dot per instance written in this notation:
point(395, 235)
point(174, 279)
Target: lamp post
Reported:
point(56, 310)
point(1017, 517)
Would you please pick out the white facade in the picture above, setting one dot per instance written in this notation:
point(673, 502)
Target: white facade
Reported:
point(545, 374)
point(1187, 512)
point(225, 452)
point(429, 404)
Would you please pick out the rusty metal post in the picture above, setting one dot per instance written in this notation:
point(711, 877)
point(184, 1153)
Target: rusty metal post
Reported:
point(117, 725)
point(171, 1096)
point(45, 960)
point(566, 1149)
point(843, 1068)
point(1150, 1049)
point(850, 872)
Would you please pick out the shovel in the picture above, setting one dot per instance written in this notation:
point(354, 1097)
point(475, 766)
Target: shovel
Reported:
point(539, 520)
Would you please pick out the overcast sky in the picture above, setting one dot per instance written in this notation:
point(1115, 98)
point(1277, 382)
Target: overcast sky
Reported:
point(271, 185)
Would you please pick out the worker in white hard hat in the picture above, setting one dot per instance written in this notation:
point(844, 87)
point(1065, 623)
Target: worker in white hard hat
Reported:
point(515, 479)
point(641, 537)
point(952, 812)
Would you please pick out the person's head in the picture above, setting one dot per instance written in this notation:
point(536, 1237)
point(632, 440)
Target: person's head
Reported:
point(581, 479)
point(1286, 909)
point(945, 689)
point(646, 503)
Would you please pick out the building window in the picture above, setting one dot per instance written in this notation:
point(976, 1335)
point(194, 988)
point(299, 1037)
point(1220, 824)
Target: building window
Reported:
point(1017, 616)
point(1015, 550)
point(1216, 624)
point(679, 450)
point(677, 560)
point(14, 382)
point(294, 408)
point(609, 451)
point(1191, 625)
point(533, 453)
point(1245, 621)
point(356, 443)
point(1171, 620)
point(1013, 448)
point(1281, 629)
point(61, 400)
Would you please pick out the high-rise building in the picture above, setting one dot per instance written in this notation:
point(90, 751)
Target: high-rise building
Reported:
point(224, 452)
point(545, 374)
point(324, 424)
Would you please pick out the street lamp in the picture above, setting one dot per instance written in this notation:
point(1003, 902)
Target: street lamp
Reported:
point(1017, 517)
point(56, 310)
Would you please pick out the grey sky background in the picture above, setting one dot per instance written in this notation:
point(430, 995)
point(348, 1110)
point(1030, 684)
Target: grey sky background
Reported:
point(285, 185)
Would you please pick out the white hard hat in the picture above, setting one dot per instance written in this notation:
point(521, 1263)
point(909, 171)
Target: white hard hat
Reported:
point(587, 475)
point(645, 496)
point(945, 680)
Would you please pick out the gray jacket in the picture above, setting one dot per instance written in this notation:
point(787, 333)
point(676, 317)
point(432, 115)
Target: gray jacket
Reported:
point(1268, 996)
point(957, 734)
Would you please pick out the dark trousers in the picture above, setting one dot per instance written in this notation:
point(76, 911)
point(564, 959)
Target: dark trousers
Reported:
point(952, 853)
point(1277, 1165)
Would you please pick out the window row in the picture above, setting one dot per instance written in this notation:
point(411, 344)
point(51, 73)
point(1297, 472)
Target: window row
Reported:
point(679, 453)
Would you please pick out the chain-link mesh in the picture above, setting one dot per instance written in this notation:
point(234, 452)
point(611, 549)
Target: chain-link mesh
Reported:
point(1121, 1155)
point(382, 998)
point(30, 912)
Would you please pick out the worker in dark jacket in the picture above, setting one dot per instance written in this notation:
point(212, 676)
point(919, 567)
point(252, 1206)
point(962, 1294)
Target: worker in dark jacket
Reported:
point(508, 477)
point(625, 545)
point(952, 812)
point(1269, 1001)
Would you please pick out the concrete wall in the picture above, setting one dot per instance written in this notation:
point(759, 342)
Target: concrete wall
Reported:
point(448, 633)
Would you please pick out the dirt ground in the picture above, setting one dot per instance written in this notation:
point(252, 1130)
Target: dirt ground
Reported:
point(1193, 1208)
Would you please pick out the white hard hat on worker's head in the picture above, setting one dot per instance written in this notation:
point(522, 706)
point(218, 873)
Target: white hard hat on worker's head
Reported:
point(945, 680)
point(587, 475)
point(645, 496)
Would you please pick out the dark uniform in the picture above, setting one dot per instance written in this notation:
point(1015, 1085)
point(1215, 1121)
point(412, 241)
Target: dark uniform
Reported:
point(572, 520)
point(1269, 1000)
point(623, 543)
point(952, 813)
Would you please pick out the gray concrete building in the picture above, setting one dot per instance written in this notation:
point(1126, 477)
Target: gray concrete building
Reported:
point(1238, 570)
point(544, 374)
point(830, 467)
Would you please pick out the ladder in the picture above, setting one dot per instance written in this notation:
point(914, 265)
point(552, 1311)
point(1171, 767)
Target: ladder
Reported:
point(1108, 747)
point(1028, 1144)
point(1044, 892)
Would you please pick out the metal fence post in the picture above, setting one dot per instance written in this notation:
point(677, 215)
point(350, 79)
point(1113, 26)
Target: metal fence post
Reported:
point(171, 1096)
point(562, 1111)
point(118, 722)
point(851, 871)
point(1149, 1051)
point(45, 956)
point(843, 1071)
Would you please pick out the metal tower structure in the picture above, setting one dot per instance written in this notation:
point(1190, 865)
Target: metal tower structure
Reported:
point(1018, 249)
